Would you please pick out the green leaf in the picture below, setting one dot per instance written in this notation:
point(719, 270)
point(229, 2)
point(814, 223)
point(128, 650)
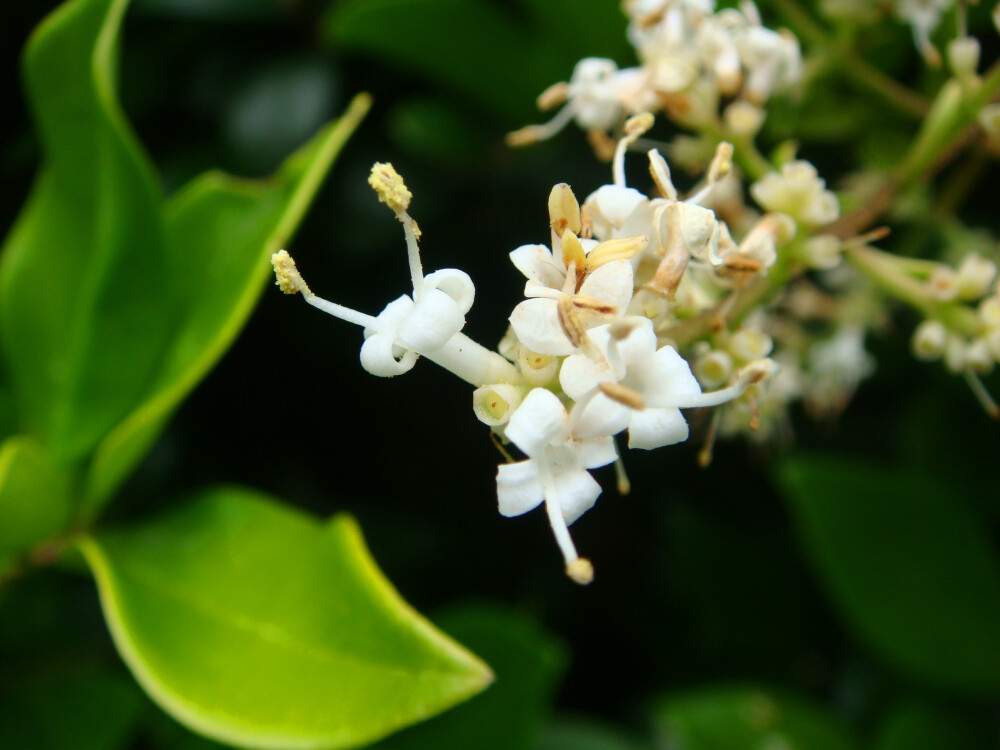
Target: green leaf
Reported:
point(220, 233)
point(909, 567)
point(528, 664)
point(740, 718)
point(257, 626)
point(81, 293)
point(69, 708)
point(34, 498)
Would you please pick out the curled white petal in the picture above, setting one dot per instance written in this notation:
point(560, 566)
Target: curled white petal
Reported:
point(434, 319)
point(380, 356)
point(456, 284)
point(664, 378)
point(599, 417)
point(518, 488)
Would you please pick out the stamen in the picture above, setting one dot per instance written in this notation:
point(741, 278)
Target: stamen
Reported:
point(722, 165)
point(750, 375)
point(623, 248)
point(579, 569)
point(621, 478)
point(564, 210)
point(287, 276)
point(553, 96)
point(707, 448)
point(981, 394)
point(574, 257)
point(391, 189)
point(879, 233)
point(535, 133)
point(634, 127)
point(623, 395)
point(412, 232)
point(290, 281)
point(660, 172)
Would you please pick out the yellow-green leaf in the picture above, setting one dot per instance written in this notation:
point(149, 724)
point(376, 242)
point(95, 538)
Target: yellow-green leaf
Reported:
point(257, 626)
point(81, 294)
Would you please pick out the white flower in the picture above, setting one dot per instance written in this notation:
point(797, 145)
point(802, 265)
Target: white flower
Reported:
point(799, 192)
point(555, 471)
point(635, 385)
point(427, 323)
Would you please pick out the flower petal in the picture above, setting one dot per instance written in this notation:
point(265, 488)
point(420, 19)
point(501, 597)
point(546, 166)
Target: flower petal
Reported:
point(518, 488)
point(654, 428)
point(379, 356)
point(611, 283)
point(434, 319)
point(597, 452)
point(573, 487)
point(599, 417)
point(579, 374)
point(456, 284)
point(540, 419)
point(663, 378)
point(536, 263)
point(536, 323)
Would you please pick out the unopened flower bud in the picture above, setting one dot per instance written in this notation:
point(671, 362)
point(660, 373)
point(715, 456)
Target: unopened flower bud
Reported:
point(822, 252)
point(929, 340)
point(744, 118)
point(963, 56)
point(749, 344)
point(713, 369)
point(989, 119)
point(989, 311)
point(954, 353)
point(978, 356)
point(975, 274)
point(943, 283)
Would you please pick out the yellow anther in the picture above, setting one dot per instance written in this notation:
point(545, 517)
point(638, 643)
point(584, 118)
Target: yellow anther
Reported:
point(553, 96)
point(287, 276)
point(581, 571)
point(570, 320)
point(622, 248)
point(573, 254)
point(722, 164)
point(391, 189)
point(564, 210)
point(623, 395)
point(636, 126)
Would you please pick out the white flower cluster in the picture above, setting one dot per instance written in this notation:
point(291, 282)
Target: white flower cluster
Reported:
point(582, 361)
point(691, 60)
point(975, 350)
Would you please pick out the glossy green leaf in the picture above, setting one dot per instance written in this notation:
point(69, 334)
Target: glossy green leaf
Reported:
point(528, 664)
point(259, 627)
point(69, 708)
point(740, 718)
point(34, 498)
point(908, 565)
point(81, 294)
point(220, 233)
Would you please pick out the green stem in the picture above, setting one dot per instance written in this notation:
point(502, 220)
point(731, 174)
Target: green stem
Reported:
point(884, 269)
point(862, 73)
